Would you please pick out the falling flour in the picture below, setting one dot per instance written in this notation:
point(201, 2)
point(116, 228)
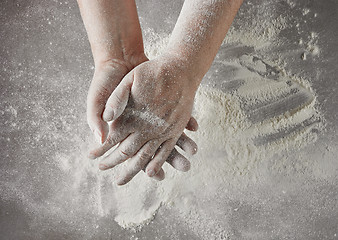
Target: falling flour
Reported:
point(255, 113)
point(251, 115)
point(248, 109)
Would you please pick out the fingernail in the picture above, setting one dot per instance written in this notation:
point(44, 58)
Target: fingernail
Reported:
point(98, 137)
point(91, 156)
point(103, 166)
point(108, 114)
point(151, 173)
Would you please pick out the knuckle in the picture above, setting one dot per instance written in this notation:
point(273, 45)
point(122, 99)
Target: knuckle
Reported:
point(124, 153)
point(144, 155)
point(105, 165)
point(111, 139)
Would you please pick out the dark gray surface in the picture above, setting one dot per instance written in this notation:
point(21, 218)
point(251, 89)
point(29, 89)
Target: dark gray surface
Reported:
point(46, 68)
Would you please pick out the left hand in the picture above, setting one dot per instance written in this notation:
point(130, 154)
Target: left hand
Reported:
point(158, 97)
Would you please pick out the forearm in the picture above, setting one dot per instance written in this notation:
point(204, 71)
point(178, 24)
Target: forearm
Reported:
point(199, 32)
point(113, 29)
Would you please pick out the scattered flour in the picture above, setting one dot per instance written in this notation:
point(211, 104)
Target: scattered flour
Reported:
point(257, 33)
point(233, 146)
point(240, 129)
point(311, 47)
point(227, 156)
point(253, 118)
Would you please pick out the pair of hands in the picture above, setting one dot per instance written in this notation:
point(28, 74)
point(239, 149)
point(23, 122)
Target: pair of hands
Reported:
point(147, 104)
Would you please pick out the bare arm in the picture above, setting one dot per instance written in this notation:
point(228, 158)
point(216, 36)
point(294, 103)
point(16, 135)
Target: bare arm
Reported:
point(115, 37)
point(164, 89)
point(199, 32)
point(116, 42)
point(113, 29)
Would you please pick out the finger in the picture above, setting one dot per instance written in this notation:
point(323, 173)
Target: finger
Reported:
point(113, 138)
point(159, 176)
point(178, 161)
point(160, 157)
point(95, 122)
point(118, 100)
point(126, 149)
point(187, 144)
point(103, 84)
point(139, 161)
point(192, 125)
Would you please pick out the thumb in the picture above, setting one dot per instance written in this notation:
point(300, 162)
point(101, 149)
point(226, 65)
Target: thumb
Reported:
point(95, 107)
point(118, 100)
point(103, 84)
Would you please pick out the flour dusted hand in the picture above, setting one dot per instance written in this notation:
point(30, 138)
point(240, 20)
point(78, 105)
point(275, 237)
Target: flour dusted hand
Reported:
point(158, 96)
point(152, 104)
point(107, 76)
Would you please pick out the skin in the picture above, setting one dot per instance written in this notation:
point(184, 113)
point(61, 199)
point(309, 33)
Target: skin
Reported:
point(116, 42)
point(151, 105)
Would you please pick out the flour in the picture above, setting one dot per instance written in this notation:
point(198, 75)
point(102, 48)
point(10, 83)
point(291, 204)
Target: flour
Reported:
point(240, 129)
point(310, 46)
point(253, 116)
point(146, 116)
point(250, 114)
point(250, 178)
point(257, 33)
point(227, 137)
point(229, 152)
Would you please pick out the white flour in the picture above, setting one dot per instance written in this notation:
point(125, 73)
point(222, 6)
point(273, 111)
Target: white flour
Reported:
point(253, 118)
point(241, 128)
point(227, 156)
point(256, 121)
point(249, 119)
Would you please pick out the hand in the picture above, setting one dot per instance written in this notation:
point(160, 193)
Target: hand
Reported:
point(158, 97)
point(175, 159)
point(107, 76)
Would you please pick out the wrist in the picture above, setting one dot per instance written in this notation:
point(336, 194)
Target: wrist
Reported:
point(124, 46)
point(172, 64)
point(129, 60)
point(188, 68)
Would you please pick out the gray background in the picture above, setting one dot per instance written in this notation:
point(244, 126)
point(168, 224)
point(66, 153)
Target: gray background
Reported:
point(46, 67)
